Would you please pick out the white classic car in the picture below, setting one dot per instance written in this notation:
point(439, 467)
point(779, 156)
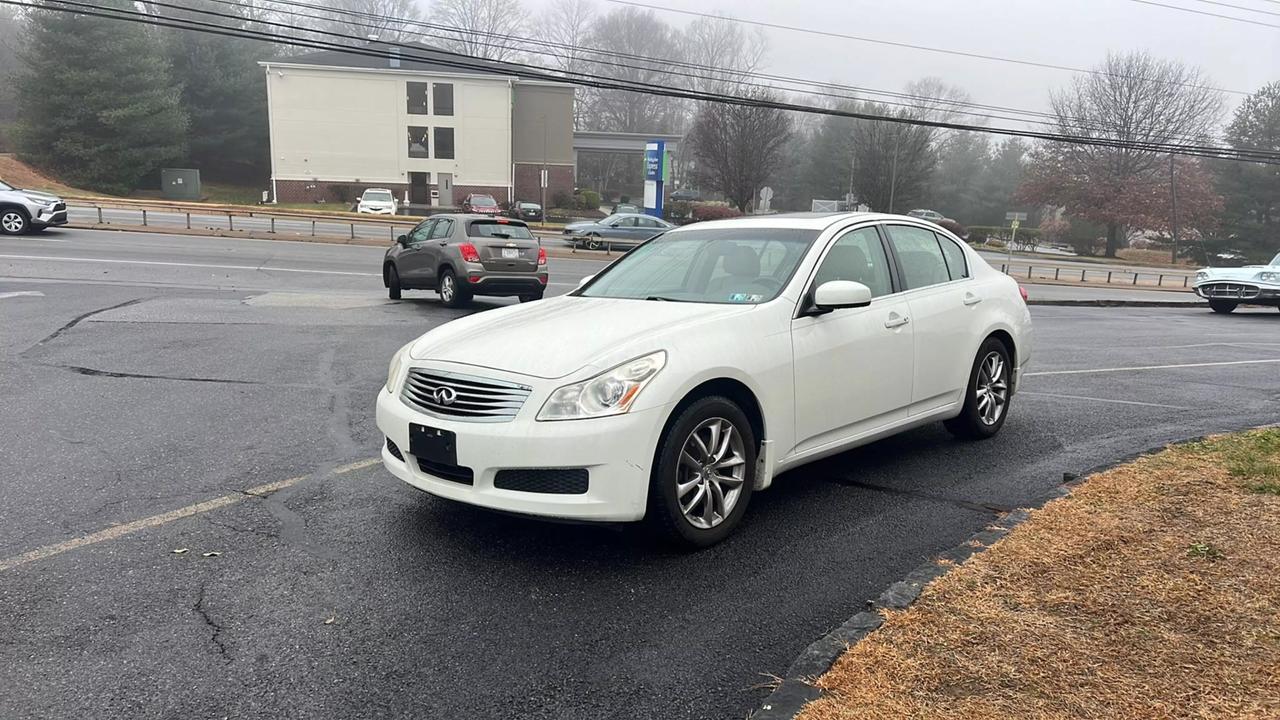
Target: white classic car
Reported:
point(1225, 288)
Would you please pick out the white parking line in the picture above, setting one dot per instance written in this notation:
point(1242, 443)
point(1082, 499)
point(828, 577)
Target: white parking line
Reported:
point(1150, 367)
point(21, 293)
point(192, 265)
point(119, 531)
point(1102, 400)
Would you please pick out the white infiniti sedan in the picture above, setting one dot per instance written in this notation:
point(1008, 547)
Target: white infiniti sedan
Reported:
point(685, 376)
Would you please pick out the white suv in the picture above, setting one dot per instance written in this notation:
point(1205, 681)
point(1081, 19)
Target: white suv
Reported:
point(377, 201)
point(24, 211)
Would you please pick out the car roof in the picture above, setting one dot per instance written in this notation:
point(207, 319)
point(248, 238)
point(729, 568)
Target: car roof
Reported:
point(476, 216)
point(386, 190)
point(801, 220)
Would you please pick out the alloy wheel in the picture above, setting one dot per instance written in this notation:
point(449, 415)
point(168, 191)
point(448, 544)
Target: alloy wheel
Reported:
point(711, 473)
point(446, 288)
point(992, 389)
point(13, 222)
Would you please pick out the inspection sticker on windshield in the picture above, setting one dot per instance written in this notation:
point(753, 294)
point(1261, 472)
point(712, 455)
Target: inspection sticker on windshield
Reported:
point(745, 297)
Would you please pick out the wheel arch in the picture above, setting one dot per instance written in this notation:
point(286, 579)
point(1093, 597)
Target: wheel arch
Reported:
point(736, 390)
point(387, 265)
point(15, 206)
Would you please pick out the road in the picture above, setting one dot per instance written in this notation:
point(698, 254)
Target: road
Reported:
point(216, 396)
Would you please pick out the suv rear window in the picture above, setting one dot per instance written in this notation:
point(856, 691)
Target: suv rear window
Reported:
point(496, 229)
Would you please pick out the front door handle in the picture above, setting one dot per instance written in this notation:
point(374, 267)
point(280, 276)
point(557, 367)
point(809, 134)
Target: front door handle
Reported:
point(443, 243)
point(971, 299)
point(896, 321)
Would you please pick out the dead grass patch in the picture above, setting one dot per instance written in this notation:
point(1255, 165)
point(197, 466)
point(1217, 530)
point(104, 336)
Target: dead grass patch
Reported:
point(1152, 591)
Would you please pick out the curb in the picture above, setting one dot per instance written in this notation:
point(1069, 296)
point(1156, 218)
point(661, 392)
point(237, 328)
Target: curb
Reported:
point(1122, 303)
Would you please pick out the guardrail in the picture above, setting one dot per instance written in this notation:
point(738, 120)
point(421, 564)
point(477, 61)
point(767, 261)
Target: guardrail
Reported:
point(1110, 276)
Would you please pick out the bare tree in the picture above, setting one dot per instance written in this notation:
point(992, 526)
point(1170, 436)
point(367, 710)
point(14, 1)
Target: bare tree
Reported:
point(729, 52)
point(738, 147)
point(10, 64)
point(389, 20)
point(476, 27)
point(635, 32)
point(1133, 98)
point(569, 24)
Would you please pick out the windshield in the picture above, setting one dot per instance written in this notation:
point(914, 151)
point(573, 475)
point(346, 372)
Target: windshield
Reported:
point(5, 186)
point(1276, 260)
point(738, 266)
point(483, 201)
point(494, 229)
point(377, 196)
point(528, 206)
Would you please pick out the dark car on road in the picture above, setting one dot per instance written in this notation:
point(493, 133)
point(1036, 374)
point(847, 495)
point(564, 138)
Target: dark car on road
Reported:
point(527, 211)
point(461, 256)
point(481, 205)
point(616, 230)
point(686, 195)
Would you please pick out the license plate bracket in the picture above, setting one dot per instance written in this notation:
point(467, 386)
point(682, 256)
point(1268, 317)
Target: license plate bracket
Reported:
point(433, 444)
point(510, 253)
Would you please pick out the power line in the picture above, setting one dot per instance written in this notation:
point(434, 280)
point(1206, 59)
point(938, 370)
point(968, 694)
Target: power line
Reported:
point(1239, 7)
point(1210, 14)
point(461, 61)
point(910, 46)
point(1051, 120)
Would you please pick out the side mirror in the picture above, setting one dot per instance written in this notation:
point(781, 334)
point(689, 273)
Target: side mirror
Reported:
point(585, 280)
point(840, 294)
point(403, 240)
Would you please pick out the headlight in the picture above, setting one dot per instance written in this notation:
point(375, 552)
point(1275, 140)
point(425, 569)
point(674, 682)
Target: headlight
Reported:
point(610, 393)
point(1202, 275)
point(43, 202)
point(393, 372)
point(1269, 276)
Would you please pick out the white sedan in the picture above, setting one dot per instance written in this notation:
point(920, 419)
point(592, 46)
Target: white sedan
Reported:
point(377, 201)
point(688, 374)
point(1227, 288)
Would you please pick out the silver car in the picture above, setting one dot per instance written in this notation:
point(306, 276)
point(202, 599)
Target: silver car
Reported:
point(619, 229)
point(24, 211)
point(461, 256)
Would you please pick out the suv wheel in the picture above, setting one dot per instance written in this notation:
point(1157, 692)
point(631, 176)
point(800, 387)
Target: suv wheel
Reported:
point(13, 222)
point(704, 473)
point(1222, 306)
point(393, 282)
point(452, 294)
point(986, 401)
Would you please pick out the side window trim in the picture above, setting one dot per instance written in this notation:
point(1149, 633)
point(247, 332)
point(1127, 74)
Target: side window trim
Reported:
point(900, 275)
point(895, 282)
point(947, 258)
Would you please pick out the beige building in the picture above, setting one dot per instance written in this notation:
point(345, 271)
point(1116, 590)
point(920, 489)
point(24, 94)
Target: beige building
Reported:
point(407, 119)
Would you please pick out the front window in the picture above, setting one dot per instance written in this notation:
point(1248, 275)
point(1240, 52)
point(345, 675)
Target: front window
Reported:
point(857, 256)
point(483, 201)
point(377, 196)
point(921, 256)
point(498, 229)
point(732, 266)
point(418, 142)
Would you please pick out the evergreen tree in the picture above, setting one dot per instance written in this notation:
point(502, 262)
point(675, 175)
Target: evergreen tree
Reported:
point(1252, 215)
point(97, 105)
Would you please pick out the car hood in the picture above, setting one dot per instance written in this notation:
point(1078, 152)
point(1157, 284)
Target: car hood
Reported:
point(37, 194)
point(1249, 272)
point(558, 336)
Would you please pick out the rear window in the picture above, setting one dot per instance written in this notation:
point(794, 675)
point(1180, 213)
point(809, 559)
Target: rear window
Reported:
point(483, 201)
point(503, 230)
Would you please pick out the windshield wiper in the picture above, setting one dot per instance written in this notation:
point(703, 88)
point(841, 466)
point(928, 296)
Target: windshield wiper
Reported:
point(661, 298)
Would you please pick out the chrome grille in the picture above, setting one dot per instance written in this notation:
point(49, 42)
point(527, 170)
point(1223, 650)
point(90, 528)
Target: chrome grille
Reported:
point(1235, 291)
point(462, 397)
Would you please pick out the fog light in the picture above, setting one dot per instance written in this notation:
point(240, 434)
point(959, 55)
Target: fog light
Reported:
point(474, 279)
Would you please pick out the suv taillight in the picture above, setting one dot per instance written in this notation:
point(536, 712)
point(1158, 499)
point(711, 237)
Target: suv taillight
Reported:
point(1023, 292)
point(469, 252)
point(542, 256)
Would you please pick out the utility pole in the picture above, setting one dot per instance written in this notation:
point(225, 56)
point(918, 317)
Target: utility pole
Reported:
point(542, 179)
point(1173, 209)
point(893, 172)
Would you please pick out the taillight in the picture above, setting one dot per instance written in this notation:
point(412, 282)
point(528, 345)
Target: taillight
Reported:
point(542, 256)
point(1023, 292)
point(469, 252)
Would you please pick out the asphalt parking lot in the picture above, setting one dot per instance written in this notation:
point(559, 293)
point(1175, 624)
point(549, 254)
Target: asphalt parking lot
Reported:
point(216, 396)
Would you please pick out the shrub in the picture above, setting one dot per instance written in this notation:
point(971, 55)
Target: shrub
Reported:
point(587, 200)
point(704, 211)
point(677, 211)
point(561, 199)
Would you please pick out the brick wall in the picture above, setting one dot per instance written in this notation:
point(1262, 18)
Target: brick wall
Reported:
point(306, 191)
point(528, 181)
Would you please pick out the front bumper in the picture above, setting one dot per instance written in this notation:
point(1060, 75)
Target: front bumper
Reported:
point(375, 211)
point(617, 453)
point(48, 217)
point(1238, 290)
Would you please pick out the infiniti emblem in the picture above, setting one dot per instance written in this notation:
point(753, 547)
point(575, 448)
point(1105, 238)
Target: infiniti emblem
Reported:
point(445, 395)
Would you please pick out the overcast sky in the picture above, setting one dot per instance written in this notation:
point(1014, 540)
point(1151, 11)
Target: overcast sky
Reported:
point(1237, 56)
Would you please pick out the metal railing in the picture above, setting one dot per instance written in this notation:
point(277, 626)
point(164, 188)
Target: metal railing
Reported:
point(1104, 276)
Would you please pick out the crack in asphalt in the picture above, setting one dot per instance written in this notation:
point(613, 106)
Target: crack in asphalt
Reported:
point(966, 504)
point(245, 530)
point(94, 372)
point(81, 318)
point(218, 628)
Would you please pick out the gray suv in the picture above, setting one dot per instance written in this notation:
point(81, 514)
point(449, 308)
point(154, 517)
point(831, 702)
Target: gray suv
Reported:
point(24, 211)
point(461, 256)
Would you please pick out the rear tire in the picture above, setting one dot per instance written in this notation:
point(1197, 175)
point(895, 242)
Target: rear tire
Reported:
point(1222, 306)
point(594, 242)
point(393, 283)
point(13, 222)
point(452, 293)
point(987, 396)
point(714, 466)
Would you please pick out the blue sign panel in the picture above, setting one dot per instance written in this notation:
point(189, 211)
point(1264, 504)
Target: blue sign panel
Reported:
point(655, 158)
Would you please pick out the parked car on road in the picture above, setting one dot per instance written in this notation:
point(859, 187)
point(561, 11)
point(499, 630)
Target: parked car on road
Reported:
point(28, 211)
point(527, 211)
point(377, 201)
point(627, 208)
point(688, 374)
point(618, 230)
point(1226, 288)
point(930, 215)
point(686, 195)
point(461, 256)
point(481, 205)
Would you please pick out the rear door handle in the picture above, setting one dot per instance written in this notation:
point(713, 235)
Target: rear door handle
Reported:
point(443, 243)
point(971, 299)
point(896, 322)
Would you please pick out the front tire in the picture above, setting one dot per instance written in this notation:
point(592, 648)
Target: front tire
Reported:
point(13, 222)
point(594, 242)
point(1223, 306)
point(393, 283)
point(986, 399)
point(704, 473)
point(452, 294)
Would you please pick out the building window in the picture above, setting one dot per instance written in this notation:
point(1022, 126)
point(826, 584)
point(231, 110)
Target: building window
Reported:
point(442, 98)
point(418, 142)
point(417, 95)
point(444, 143)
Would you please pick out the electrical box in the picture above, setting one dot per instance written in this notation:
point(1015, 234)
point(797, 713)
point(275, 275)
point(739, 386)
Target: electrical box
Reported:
point(180, 184)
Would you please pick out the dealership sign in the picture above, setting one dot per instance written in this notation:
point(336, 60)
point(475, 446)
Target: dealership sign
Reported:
point(655, 170)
